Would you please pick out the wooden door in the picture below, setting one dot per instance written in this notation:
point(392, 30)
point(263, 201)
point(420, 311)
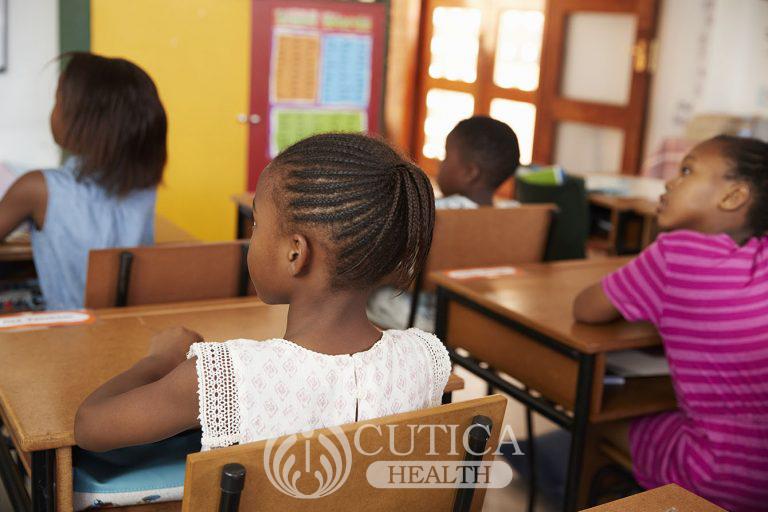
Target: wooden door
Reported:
point(595, 82)
point(197, 54)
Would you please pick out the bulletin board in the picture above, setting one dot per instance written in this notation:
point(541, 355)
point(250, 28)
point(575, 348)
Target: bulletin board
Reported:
point(316, 66)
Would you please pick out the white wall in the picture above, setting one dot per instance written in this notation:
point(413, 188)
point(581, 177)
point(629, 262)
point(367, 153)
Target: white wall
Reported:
point(28, 85)
point(713, 58)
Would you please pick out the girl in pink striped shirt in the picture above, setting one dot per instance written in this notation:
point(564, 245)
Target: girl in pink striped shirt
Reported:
point(705, 287)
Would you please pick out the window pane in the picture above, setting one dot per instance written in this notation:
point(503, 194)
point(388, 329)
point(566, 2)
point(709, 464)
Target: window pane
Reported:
point(518, 49)
point(455, 43)
point(585, 147)
point(521, 117)
point(598, 57)
point(444, 110)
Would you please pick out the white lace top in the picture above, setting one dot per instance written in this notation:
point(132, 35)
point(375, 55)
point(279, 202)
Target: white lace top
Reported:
point(251, 390)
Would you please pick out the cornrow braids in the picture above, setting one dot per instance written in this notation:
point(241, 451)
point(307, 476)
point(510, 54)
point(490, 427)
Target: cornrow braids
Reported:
point(377, 206)
point(750, 159)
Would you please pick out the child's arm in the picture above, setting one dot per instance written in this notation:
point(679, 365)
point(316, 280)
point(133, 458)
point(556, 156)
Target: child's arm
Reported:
point(635, 291)
point(27, 198)
point(153, 400)
point(592, 306)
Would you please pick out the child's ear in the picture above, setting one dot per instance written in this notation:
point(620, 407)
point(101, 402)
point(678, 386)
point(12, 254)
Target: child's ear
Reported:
point(472, 173)
point(298, 254)
point(737, 196)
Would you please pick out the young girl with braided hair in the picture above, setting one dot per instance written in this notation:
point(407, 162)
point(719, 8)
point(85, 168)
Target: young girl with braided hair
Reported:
point(335, 215)
point(705, 287)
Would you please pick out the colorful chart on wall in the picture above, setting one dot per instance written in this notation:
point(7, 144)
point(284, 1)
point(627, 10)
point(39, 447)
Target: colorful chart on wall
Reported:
point(317, 66)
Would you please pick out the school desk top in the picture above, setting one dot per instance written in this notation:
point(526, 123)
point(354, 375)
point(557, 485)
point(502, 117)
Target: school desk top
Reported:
point(48, 372)
point(541, 295)
point(662, 499)
point(166, 231)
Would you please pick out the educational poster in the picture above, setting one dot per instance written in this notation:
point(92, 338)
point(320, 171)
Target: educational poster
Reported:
point(293, 124)
point(320, 78)
point(317, 66)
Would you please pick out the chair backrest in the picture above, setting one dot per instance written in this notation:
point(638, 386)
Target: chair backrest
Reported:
point(569, 234)
point(339, 464)
point(486, 237)
point(166, 273)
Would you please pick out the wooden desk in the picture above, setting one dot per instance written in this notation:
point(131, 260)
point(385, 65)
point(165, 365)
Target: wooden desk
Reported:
point(15, 251)
point(48, 372)
point(631, 203)
point(165, 232)
point(633, 221)
point(662, 499)
point(168, 232)
point(522, 325)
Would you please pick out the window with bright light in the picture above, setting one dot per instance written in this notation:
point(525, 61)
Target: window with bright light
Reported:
point(444, 110)
point(521, 117)
point(455, 43)
point(518, 50)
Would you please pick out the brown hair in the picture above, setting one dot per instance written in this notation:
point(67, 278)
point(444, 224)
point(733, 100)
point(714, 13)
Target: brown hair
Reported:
point(113, 120)
point(377, 206)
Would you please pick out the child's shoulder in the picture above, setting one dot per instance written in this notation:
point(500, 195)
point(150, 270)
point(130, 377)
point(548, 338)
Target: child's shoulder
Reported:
point(218, 349)
point(413, 337)
point(412, 334)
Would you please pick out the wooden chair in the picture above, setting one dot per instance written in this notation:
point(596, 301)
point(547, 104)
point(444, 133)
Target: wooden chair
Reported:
point(485, 237)
point(216, 479)
point(166, 273)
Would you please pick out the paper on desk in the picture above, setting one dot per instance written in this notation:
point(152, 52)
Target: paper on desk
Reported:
point(484, 272)
point(637, 363)
point(46, 319)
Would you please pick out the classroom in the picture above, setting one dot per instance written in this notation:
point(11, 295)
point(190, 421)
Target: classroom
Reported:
point(413, 255)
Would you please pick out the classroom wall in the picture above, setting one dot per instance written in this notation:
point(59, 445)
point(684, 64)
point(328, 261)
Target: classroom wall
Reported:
point(28, 86)
point(197, 52)
point(713, 59)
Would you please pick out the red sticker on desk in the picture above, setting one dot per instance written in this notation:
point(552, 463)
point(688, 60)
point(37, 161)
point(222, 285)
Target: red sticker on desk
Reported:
point(46, 319)
point(483, 273)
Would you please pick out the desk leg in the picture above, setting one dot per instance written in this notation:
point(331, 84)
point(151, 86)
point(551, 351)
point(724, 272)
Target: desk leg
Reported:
point(579, 430)
point(441, 324)
point(531, 457)
point(43, 475)
point(12, 477)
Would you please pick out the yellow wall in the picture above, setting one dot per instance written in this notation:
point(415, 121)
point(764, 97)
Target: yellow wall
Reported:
point(198, 54)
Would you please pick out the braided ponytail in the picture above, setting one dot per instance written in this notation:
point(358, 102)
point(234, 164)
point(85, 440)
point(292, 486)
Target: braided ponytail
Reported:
point(750, 159)
point(377, 206)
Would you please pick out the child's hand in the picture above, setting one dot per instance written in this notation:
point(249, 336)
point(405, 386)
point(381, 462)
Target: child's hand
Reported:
point(171, 345)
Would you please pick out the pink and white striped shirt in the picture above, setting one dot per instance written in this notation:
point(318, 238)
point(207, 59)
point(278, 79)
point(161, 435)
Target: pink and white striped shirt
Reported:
point(708, 297)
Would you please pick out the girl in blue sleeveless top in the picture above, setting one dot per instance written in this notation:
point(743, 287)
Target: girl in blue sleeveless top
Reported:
point(109, 117)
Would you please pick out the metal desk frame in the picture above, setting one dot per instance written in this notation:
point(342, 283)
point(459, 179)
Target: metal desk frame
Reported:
point(576, 423)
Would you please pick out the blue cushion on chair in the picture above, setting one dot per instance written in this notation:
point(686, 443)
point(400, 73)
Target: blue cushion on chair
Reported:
point(135, 475)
